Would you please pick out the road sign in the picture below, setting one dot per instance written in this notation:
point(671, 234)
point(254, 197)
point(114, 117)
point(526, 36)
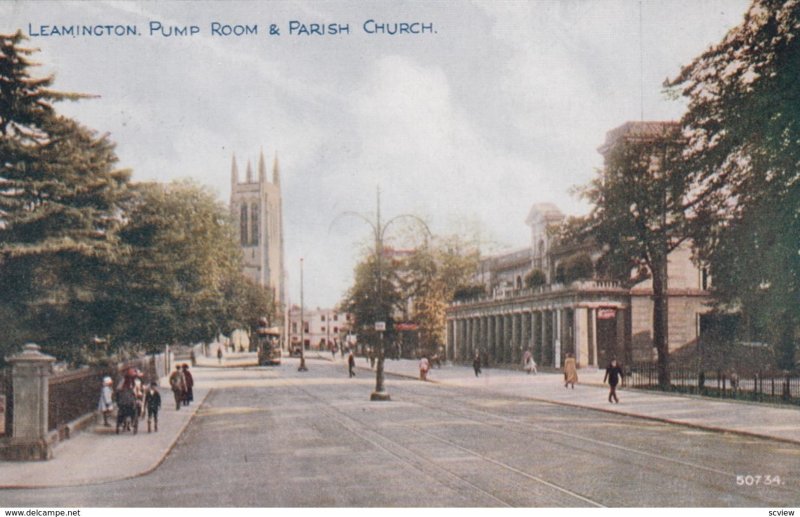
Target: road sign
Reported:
point(380, 326)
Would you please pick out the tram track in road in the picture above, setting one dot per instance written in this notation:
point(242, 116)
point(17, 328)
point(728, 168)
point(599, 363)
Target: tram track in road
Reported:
point(435, 470)
point(528, 426)
point(714, 478)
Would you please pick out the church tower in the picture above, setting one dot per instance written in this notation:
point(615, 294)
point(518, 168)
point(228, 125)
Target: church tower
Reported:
point(257, 212)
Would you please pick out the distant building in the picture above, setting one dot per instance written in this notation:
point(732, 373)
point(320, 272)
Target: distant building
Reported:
point(323, 327)
point(257, 212)
point(595, 320)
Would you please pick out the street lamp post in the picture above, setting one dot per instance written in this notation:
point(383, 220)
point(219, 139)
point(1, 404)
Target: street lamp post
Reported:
point(379, 230)
point(302, 367)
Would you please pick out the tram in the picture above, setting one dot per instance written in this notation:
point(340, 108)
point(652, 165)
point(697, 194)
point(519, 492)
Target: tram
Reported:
point(268, 340)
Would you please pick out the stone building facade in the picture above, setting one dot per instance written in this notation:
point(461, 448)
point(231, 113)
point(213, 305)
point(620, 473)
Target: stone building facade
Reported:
point(257, 212)
point(592, 319)
point(323, 327)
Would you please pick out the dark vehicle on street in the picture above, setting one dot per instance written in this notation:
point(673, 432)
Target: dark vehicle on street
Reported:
point(268, 340)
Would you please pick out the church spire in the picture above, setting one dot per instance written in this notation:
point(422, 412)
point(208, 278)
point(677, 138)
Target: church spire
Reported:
point(276, 171)
point(234, 171)
point(249, 173)
point(262, 169)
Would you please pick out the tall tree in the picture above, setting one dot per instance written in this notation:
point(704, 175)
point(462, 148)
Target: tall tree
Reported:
point(640, 214)
point(183, 265)
point(374, 295)
point(245, 303)
point(432, 274)
point(60, 197)
point(425, 281)
point(743, 131)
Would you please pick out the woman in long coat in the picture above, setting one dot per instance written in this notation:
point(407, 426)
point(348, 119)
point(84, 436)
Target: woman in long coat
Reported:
point(178, 384)
point(188, 393)
point(570, 371)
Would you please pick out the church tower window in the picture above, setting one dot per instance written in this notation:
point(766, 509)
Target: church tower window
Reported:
point(243, 224)
point(254, 222)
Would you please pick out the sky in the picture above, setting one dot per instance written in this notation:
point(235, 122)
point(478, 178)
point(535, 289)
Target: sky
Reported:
point(498, 106)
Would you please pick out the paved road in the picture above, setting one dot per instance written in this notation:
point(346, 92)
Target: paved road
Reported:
point(275, 437)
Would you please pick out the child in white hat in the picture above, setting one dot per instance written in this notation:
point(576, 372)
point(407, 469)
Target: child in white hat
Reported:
point(106, 404)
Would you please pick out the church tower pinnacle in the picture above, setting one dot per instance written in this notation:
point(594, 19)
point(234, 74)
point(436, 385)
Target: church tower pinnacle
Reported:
point(234, 172)
point(276, 171)
point(262, 169)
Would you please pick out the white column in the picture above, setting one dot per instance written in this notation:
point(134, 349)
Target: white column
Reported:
point(593, 323)
point(557, 338)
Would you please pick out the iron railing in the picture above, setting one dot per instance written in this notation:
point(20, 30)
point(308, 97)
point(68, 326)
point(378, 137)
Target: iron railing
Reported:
point(77, 392)
point(774, 387)
point(6, 402)
point(72, 395)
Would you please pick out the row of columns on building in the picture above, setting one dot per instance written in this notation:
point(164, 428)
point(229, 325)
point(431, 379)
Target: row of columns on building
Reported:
point(502, 338)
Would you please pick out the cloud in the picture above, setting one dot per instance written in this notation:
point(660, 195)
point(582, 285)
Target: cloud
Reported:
point(504, 107)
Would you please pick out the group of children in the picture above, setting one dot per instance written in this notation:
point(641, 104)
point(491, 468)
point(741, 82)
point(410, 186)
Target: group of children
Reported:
point(134, 401)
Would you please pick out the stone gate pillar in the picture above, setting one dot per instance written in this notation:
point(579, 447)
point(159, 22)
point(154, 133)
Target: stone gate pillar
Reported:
point(30, 374)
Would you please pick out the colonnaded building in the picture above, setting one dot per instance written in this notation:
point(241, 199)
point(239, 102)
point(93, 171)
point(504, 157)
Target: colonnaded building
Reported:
point(594, 320)
point(256, 209)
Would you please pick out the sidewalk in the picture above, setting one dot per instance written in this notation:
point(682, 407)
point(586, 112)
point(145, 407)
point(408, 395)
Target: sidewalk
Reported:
point(98, 454)
point(761, 420)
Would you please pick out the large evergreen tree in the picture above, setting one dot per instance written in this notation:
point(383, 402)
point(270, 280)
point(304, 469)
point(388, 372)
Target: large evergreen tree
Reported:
point(743, 131)
point(60, 195)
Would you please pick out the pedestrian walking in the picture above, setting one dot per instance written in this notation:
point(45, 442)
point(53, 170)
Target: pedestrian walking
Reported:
point(570, 371)
point(106, 403)
point(219, 354)
point(529, 363)
point(424, 366)
point(188, 394)
point(613, 376)
point(351, 364)
point(126, 402)
point(152, 402)
point(734, 382)
point(476, 364)
point(138, 393)
point(372, 358)
point(178, 384)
